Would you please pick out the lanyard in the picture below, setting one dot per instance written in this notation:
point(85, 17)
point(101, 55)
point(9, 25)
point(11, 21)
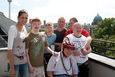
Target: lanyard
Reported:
point(64, 64)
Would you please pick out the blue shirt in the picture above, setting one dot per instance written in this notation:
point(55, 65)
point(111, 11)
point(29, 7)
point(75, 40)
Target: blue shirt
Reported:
point(50, 40)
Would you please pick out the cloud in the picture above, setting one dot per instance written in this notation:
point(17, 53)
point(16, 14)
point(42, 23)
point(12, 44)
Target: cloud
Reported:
point(58, 8)
point(16, 3)
point(83, 10)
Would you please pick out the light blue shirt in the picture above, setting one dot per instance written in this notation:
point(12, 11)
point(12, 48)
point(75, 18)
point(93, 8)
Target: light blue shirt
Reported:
point(50, 40)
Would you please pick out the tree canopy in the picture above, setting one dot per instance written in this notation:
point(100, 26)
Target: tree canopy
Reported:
point(105, 29)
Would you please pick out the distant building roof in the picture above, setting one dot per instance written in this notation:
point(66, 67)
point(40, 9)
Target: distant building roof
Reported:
point(5, 24)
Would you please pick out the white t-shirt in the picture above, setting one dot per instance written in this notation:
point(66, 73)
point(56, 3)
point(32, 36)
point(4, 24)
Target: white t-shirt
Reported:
point(55, 65)
point(13, 34)
point(79, 43)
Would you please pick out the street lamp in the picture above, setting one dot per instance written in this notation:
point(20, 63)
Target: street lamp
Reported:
point(9, 7)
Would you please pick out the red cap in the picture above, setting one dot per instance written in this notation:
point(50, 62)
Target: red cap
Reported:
point(68, 44)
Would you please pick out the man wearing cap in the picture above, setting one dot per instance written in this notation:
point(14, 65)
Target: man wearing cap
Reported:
point(63, 65)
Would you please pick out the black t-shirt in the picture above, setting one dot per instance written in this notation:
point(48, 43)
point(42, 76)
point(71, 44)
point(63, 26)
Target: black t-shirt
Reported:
point(59, 37)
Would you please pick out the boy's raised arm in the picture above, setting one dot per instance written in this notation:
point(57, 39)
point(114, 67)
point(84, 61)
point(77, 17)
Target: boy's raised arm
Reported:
point(51, 51)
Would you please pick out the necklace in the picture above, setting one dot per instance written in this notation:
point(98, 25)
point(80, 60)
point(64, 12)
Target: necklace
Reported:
point(64, 64)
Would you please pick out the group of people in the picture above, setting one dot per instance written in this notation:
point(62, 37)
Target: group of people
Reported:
point(31, 55)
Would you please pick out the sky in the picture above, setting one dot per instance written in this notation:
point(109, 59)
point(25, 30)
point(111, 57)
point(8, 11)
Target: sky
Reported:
point(51, 10)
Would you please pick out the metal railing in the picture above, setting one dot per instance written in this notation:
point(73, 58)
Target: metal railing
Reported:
point(103, 47)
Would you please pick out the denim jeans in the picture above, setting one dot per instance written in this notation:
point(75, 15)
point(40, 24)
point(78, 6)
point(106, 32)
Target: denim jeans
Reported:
point(21, 70)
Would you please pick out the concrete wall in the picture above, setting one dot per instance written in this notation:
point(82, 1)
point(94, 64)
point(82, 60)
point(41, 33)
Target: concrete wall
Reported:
point(99, 66)
point(3, 62)
point(100, 70)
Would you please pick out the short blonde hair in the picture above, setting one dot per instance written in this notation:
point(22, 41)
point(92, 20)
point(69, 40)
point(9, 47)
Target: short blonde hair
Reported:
point(49, 24)
point(36, 20)
point(76, 24)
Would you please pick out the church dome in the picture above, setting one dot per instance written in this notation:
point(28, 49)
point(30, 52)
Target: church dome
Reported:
point(96, 19)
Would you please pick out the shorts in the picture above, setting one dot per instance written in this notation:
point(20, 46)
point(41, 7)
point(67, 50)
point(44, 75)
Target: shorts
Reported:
point(38, 72)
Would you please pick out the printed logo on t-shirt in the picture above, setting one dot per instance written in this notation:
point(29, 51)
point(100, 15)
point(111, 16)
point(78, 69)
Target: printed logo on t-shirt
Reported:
point(38, 46)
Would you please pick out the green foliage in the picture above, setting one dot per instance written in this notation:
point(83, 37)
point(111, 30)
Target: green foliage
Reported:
point(103, 48)
point(105, 30)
